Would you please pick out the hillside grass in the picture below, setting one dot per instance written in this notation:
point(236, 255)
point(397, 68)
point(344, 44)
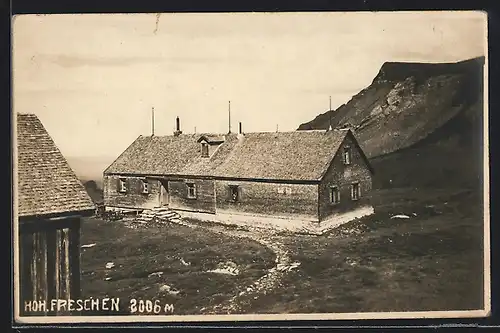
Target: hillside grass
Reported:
point(430, 261)
point(137, 253)
point(430, 166)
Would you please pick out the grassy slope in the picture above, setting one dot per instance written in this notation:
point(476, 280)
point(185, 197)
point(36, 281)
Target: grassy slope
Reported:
point(429, 167)
point(139, 252)
point(432, 261)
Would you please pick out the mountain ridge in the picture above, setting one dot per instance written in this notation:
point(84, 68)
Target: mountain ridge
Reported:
point(406, 102)
point(420, 124)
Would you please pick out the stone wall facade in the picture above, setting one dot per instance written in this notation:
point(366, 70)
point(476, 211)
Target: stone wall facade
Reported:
point(134, 195)
point(268, 198)
point(202, 201)
point(308, 201)
point(343, 177)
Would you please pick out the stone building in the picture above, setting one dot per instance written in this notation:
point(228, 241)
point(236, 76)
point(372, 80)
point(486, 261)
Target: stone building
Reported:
point(279, 177)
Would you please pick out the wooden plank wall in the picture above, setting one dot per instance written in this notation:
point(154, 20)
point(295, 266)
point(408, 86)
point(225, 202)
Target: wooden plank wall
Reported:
point(49, 266)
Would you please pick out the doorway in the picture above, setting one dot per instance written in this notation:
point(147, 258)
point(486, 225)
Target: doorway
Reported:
point(163, 200)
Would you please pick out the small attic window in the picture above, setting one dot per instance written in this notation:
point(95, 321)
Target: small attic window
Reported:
point(204, 149)
point(347, 155)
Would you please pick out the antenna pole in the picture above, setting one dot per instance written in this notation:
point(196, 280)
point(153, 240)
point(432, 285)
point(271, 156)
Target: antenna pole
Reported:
point(330, 103)
point(152, 121)
point(229, 106)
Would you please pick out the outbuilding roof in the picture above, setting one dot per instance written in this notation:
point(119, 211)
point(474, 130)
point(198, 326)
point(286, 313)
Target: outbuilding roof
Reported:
point(46, 182)
point(297, 155)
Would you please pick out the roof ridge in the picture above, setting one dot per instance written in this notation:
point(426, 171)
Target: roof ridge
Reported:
point(55, 149)
point(123, 152)
point(245, 133)
point(56, 188)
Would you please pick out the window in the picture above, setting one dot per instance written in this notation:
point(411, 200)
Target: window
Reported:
point(355, 191)
point(191, 193)
point(204, 149)
point(347, 155)
point(145, 186)
point(334, 195)
point(233, 193)
point(123, 185)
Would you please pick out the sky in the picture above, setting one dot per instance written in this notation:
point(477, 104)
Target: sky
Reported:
point(93, 79)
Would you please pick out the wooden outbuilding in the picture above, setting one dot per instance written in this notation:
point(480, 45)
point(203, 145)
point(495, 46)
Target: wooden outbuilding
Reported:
point(51, 202)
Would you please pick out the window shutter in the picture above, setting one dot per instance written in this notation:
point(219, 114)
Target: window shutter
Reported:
point(118, 185)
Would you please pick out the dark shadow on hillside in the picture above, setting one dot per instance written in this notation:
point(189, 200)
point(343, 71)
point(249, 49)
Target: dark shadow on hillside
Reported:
point(95, 192)
point(451, 157)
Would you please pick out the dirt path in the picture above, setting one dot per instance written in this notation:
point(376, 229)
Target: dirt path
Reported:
point(265, 283)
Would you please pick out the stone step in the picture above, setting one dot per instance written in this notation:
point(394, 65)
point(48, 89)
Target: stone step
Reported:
point(157, 212)
point(160, 209)
point(167, 216)
point(160, 214)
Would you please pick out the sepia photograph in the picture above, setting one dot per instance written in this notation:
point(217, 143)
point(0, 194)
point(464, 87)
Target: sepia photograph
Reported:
point(190, 167)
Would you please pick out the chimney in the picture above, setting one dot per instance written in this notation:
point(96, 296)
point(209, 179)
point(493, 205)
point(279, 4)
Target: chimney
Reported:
point(177, 127)
point(240, 130)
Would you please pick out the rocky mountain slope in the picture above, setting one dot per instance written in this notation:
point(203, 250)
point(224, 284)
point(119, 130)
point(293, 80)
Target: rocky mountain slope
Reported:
point(408, 103)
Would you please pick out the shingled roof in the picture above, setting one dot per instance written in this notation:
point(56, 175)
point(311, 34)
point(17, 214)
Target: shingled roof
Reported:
point(46, 182)
point(169, 155)
point(298, 155)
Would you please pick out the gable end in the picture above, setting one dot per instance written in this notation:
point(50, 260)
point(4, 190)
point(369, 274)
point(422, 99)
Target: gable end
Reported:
point(356, 146)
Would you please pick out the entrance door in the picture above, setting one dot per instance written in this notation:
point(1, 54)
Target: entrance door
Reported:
point(163, 194)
